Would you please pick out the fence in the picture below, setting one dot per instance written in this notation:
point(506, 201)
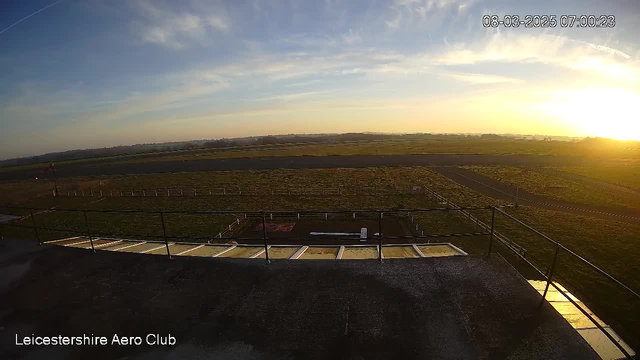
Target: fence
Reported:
point(547, 273)
point(249, 191)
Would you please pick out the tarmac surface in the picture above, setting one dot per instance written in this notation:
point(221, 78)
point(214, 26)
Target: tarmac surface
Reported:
point(463, 307)
point(499, 190)
point(103, 167)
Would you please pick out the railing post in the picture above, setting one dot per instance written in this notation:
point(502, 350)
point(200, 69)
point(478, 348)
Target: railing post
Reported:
point(493, 222)
point(35, 229)
point(380, 236)
point(164, 234)
point(86, 223)
point(553, 267)
point(264, 237)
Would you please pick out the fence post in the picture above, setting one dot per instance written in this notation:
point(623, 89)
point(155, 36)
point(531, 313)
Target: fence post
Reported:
point(553, 267)
point(264, 236)
point(164, 234)
point(493, 221)
point(86, 223)
point(379, 236)
point(35, 229)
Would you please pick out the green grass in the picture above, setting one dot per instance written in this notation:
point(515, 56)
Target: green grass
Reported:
point(595, 151)
point(555, 187)
point(624, 173)
point(402, 147)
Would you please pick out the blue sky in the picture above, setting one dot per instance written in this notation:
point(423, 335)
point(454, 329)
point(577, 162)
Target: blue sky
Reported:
point(94, 73)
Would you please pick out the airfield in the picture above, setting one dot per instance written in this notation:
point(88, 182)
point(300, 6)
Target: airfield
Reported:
point(317, 208)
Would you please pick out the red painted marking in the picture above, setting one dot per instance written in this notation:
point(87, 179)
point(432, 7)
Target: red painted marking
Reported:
point(276, 227)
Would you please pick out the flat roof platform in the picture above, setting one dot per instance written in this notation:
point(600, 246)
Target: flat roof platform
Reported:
point(457, 307)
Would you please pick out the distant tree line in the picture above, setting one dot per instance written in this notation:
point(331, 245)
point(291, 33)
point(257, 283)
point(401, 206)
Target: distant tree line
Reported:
point(247, 141)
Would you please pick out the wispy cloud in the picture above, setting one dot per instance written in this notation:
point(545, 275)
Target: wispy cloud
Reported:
point(410, 12)
point(178, 28)
point(482, 79)
point(544, 49)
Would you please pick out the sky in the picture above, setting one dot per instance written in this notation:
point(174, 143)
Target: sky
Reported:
point(97, 73)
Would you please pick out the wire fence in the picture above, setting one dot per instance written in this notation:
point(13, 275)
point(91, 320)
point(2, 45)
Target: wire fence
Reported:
point(235, 190)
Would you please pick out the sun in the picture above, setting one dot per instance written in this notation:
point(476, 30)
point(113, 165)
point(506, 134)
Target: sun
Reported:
point(597, 111)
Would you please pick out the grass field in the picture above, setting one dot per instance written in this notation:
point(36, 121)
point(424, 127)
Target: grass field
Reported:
point(555, 187)
point(608, 244)
point(448, 146)
point(624, 173)
point(622, 152)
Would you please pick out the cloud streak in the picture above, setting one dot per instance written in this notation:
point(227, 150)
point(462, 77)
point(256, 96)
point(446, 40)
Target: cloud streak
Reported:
point(30, 15)
point(178, 29)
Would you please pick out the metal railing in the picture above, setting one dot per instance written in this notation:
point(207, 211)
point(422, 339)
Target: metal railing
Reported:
point(550, 272)
point(377, 214)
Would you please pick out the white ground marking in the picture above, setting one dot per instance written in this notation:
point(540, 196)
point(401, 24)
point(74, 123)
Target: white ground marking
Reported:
point(299, 253)
point(260, 252)
point(129, 246)
point(153, 249)
point(418, 251)
point(55, 241)
point(107, 244)
point(189, 250)
point(224, 251)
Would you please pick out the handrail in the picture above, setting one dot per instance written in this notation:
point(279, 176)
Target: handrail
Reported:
point(379, 236)
point(572, 253)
